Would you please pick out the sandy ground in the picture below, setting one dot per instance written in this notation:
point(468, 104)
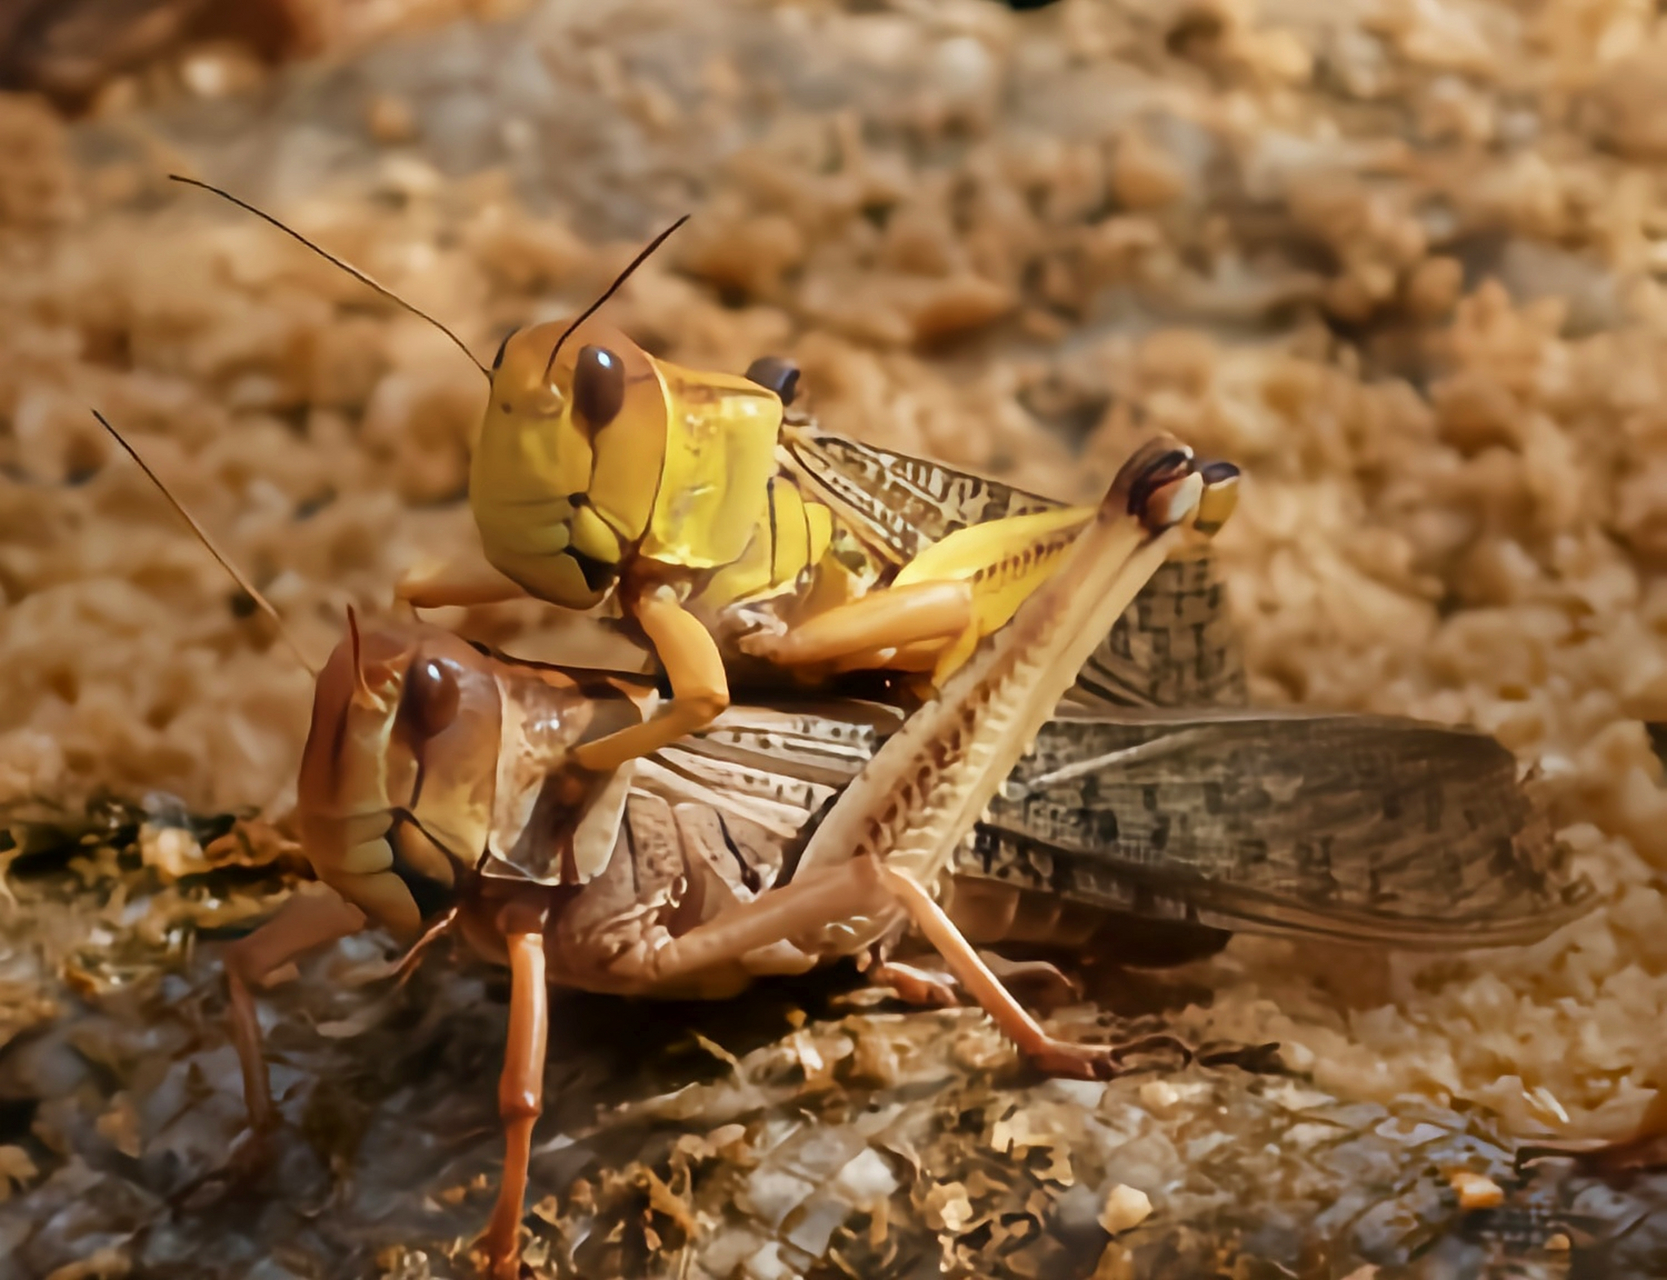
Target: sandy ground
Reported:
point(1398, 260)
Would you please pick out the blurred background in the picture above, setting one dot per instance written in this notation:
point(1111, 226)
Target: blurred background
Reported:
point(1400, 259)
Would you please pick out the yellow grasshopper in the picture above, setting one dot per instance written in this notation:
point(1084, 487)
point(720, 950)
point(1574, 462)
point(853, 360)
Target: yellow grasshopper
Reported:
point(601, 472)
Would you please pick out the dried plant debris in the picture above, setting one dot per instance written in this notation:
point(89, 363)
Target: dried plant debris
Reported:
point(732, 1140)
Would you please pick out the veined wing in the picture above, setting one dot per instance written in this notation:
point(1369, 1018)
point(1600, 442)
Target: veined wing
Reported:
point(1175, 646)
point(1307, 824)
point(783, 761)
point(1364, 828)
point(761, 775)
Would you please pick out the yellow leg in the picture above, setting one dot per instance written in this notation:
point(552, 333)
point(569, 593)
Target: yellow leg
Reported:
point(462, 580)
point(940, 605)
point(871, 627)
point(699, 687)
point(958, 591)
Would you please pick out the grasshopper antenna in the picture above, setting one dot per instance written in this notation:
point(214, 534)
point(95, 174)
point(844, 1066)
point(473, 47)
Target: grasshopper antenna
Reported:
point(237, 574)
point(612, 289)
point(362, 695)
point(363, 277)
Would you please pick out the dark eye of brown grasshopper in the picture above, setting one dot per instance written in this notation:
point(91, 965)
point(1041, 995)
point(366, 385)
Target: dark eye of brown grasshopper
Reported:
point(598, 386)
point(431, 696)
point(775, 374)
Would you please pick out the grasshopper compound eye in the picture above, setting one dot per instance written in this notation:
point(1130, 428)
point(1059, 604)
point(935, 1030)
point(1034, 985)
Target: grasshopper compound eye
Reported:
point(598, 386)
point(775, 374)
point(431, 696)
point(1220, 499)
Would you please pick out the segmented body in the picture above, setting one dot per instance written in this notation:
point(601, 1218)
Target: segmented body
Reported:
point(1176, 646)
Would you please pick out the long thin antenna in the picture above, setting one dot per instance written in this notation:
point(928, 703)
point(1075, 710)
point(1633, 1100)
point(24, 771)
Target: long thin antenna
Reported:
point(363, 277)
point(237, 574)
point(612, 289)
point(361, 690)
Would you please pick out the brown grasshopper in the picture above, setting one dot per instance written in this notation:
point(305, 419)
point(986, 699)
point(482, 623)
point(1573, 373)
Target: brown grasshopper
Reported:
point(433, 773)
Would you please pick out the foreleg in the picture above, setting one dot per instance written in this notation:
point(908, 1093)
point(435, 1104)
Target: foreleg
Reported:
point(313, 916)
point(693, 665)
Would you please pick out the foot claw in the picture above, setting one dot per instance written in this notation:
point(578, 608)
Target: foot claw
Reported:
point(916, 986)
point(248, 1159)
point(1105, 1061)
point(501, 1262)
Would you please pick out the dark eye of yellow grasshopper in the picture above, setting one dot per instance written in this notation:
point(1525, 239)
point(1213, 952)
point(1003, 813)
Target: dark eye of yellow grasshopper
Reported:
point(431, 696)
point(598, 386)
point(775, 374)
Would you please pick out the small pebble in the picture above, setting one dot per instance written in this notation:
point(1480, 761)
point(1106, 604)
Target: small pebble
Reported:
point(1158, 1095)
point(1125, 1207)
point(219, 71)
point(390, 119)
point(963, 70)
point(1475, 1191)
point(1142, 174)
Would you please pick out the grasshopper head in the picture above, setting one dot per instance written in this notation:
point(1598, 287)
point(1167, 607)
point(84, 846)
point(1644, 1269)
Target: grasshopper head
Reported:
point(426, 755)
point(566, 469)
point(381, 820)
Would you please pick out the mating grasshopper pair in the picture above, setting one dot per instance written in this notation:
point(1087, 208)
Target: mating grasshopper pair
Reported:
point(438, 791)
point(440, 788)
point(563, 824)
